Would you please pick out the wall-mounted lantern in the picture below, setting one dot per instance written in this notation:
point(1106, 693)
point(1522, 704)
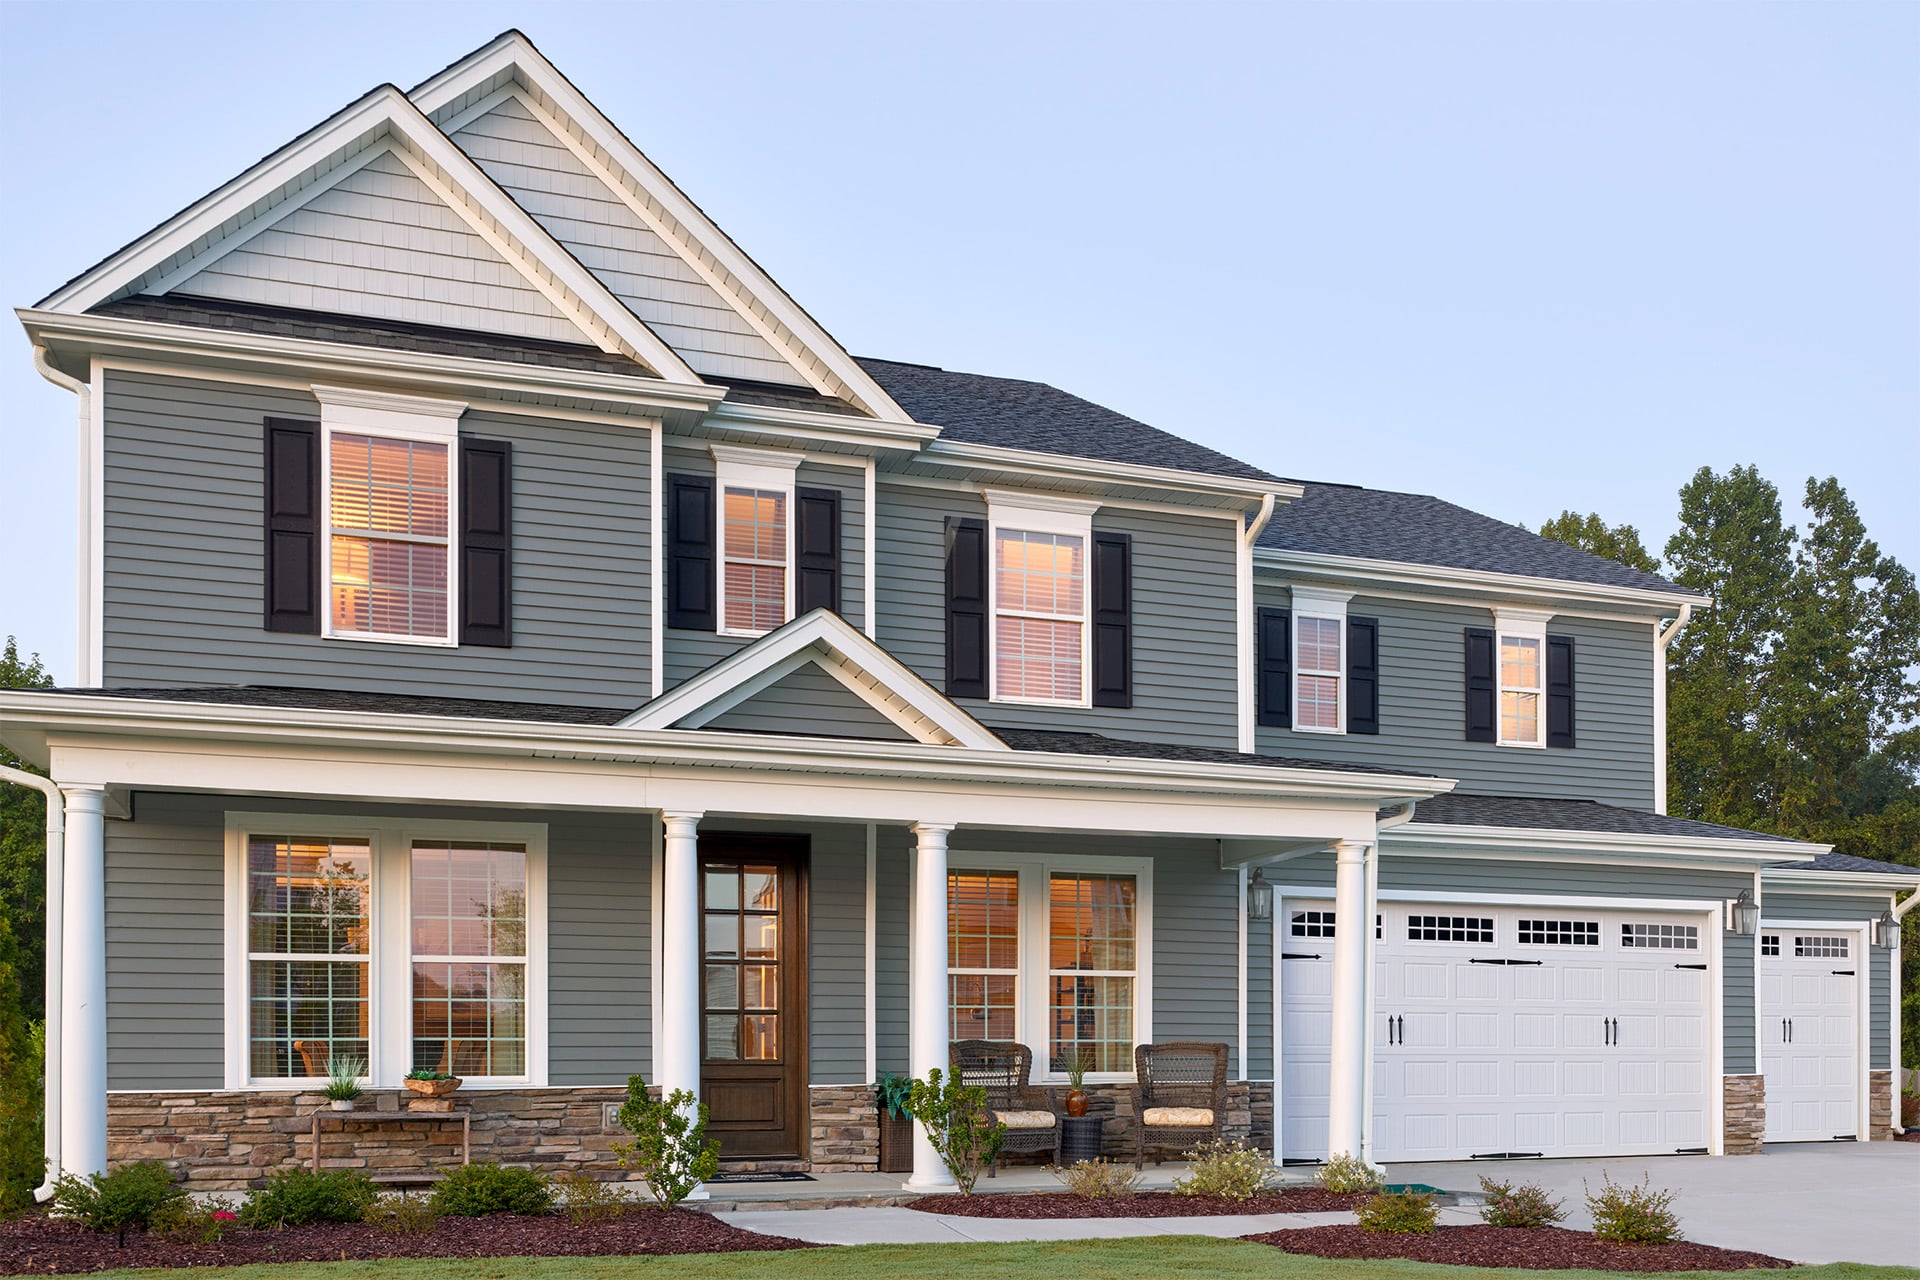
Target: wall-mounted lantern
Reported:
point(1259, 897)
point(1743, 915)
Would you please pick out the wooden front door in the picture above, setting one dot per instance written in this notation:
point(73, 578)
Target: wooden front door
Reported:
point(753, 994)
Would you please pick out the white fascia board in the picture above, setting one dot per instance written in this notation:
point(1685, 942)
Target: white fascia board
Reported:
point(1100, 471)
point(513, 54)
point(1437, 837)
point(1810, 878)
point(271, 355)
point(775, 421)
point(1478, 583)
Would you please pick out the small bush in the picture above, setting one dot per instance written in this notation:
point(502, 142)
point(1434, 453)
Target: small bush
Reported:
point(1407, 1213)
point(403, 1215)
point(1230, 1169)
point(1098, 1179)
point(129, 1196)
point(670, 1147)
point(295, 1197)
point(1632, 1215)
point(1348, 1175)
point(476, 1190)
point(589, 1200)
point(184, 1222)
point(954, 1117)
point(1521, 1204)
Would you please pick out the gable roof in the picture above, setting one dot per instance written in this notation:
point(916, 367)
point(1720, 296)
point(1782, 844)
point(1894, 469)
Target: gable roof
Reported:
point(1412, 528)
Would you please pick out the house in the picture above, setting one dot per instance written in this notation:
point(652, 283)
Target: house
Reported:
point(518, 640)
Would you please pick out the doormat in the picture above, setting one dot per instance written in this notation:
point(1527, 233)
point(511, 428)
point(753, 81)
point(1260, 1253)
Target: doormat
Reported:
point(750, 1176)
point(1417, 1188)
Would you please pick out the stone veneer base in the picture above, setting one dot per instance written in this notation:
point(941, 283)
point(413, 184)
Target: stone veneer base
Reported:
point(1880, 1105)
point(1745, 1111)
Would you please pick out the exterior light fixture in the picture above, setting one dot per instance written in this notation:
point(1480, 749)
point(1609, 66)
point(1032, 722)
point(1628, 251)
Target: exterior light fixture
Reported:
point(1259, 897)
point(1744, 916)
point(1886, 930)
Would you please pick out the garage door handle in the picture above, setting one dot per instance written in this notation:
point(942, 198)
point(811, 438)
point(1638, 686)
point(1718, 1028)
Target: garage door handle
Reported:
point(1690, 966)
point(1845, 973)
point(1480, 960)
point(1295, 955)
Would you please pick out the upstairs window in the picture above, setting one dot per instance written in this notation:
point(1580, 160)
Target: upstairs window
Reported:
point(1522, 673)
point(388, 510)
point(756, 538)
point(1319, 660)
point(1040, 595)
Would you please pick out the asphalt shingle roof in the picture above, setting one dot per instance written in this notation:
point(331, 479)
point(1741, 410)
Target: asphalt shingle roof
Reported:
point(1375, 524)
point(1456, 810)
point(1847, 862)
point(1096, 744)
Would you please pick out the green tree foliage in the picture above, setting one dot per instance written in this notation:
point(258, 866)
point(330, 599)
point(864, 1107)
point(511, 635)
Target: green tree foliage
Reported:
point(23, 901)
point(1619, 543)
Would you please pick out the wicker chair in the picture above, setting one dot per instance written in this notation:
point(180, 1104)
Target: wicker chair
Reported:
point(1002, 1068)
point(1179, 1076)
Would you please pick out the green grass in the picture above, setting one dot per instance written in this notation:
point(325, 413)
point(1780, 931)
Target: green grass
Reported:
point(1146, 1258)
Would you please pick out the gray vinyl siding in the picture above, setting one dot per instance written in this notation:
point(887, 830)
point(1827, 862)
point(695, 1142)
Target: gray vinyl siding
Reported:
point(1259, 1000)
point(1184, 651)
point(691, 652)
point(893, 882)
point(1549, 878)
point(837, 952)
point(165, 944)
point(184, 563)
point(381, 244)
point(809, 701)
point(1777, 904)
point(549, 181)
point(1423, 695)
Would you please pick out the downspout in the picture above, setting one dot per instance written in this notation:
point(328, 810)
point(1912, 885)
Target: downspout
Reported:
point(1900, 910)
point(56, 849)
point(1243, 611)
point(1663, 638)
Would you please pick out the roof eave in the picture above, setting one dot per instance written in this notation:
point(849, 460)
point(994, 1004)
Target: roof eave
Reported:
point(1099, 470)
point(1478, 581)
point(1888, 880)
point(1448, 837)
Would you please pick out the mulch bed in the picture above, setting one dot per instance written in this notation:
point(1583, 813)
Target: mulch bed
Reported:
point(1146, 1204)
point(38, 1245)
point(1550, 1248)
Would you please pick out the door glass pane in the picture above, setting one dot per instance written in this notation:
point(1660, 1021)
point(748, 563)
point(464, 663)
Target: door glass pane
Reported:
point(760, 986)
point(763, 937)
point(723, 987)
point(723, 888)
point(760, 889)
point(723, 1036)
point(723, 936)
point(760, 1037)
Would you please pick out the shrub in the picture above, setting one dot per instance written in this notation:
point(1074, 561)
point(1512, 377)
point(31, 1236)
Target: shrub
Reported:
point(184, 1222)
point(403, 1215)
point(483, 1187)
point(589, 1200)
point(1098, 1179)
point(295, 1197)
point(1520, 1204)
point(1632, 1215)
point(891, 1093)
point(1230, 1169)
point(1348, 1174)
point(343, 1079)
point(955, 1118)
point(129, 1196)
point(670, 1146)
point(1401, 1213)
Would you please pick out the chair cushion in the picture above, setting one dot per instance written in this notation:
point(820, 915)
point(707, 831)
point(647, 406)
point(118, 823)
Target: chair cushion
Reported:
point(1177, 1117)
point(1025, 1119)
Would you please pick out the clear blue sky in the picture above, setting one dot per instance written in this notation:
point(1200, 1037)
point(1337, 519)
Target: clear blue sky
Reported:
point(1523, 256)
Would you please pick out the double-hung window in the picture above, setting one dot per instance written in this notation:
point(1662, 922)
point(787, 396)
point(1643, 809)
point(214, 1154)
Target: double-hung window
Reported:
point(309, 935)
point(756, 538)
point(1052, 952)
point(1522, 671)
point(1039, 598)
point(469, 909)
point(1319, 660)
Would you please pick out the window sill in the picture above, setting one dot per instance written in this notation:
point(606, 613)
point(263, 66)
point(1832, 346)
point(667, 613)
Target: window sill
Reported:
point(1525, 746)
point(1310, 728)
point(1039, 702)
point(368, 637)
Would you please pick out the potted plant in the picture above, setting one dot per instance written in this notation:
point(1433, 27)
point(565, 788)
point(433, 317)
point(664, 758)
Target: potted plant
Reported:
point(890, 1095)
point(343, 1082)
point(431, 1084)
point(1076, 1068)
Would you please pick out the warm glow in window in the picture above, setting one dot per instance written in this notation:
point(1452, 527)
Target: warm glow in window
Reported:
point(470, 958)
point(1040, 616)
point(309, 914)
point(388, 538)
point(754, 543)
point(983, 954)
point(1317, 681)
point(1520, 688)
point(1091, 957)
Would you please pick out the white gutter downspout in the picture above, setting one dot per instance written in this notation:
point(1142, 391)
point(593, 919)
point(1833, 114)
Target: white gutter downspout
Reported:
point(1900, 910)
point(1243, 601)
point(1663, 638)
point(56, 907)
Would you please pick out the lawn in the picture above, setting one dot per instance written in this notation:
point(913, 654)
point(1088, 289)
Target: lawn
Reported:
point(1146, 1258)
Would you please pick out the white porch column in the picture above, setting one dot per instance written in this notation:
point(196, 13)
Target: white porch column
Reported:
point(1346, 1101)
point(83, 988)
point(927, 952)
point(677, 1056)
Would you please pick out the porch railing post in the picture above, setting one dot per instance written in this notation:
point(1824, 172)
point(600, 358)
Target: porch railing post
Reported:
point(928, 955)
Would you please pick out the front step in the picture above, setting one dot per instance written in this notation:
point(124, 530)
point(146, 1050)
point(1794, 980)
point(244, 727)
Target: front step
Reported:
point(766, 1166)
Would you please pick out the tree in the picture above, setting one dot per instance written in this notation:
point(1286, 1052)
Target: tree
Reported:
point(1620, 543)
point(23, 847)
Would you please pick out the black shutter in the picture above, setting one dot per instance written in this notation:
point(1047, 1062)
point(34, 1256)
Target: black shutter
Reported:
point(291, 526)
point(1112, 620)
point(1274, 663)
point(1560, 691)
point(816, 550)
point(966, 608)
point(1363, 675)
point(690, 534)
point(486, 542)
point(1480, 688)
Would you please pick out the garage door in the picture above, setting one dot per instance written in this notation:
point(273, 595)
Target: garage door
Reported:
point(1809, 1033)
point(1509, 1031)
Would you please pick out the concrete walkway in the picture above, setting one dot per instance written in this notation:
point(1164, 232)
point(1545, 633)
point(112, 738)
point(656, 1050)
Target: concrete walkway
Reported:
point(1840, 1202)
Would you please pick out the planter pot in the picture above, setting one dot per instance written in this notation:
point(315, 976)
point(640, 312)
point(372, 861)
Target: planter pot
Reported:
point(1076, 1102)
point(896, 1143)
point(434, 1088)
point(340, 1104)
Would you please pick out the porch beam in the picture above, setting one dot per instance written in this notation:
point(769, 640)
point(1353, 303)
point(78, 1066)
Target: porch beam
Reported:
point(928, 981)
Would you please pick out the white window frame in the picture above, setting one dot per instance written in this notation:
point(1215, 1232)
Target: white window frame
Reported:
point(1030, 996)
point(1519, 624)
point(350, 411)
point(1010, 511)
point(390, 962)
point(978, 971)
point(1329, 606)
point(759, 470)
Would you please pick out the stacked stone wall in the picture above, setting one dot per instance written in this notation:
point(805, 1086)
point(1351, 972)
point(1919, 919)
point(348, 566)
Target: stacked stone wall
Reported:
point(1745, 1111)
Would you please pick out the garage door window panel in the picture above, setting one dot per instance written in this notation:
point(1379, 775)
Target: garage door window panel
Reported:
point(1660, 937)
point(1820, 947)
point(1559, 933)
point(1473, 929)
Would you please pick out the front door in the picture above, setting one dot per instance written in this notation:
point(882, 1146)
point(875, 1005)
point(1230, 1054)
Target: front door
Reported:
point(753, 994)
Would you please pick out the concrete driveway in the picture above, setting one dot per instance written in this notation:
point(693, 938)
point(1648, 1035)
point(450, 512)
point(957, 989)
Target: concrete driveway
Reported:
point(1810, 1202)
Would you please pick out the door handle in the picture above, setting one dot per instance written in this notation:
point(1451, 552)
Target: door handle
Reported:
point(1390, 1039)
point(1403, 1028)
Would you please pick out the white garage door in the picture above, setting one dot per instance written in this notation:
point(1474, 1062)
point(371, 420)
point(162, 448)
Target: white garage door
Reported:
point(1509, 1031)
point(1809, 1033)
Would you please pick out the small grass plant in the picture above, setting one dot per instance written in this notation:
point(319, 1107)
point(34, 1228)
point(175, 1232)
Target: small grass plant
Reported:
point(1099, 1179)
point(296, 1197)
point(484, 1187)
point(1518, 1204)
point(399, 1214)
point(1632, 1214)
point(131, 1196)
point(587, 1199)
point(1406, 1213)
point(954, 1116)
point(1230, 1169)
point(1348, 1174)
point(343, 1079)
point(670, 1148)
